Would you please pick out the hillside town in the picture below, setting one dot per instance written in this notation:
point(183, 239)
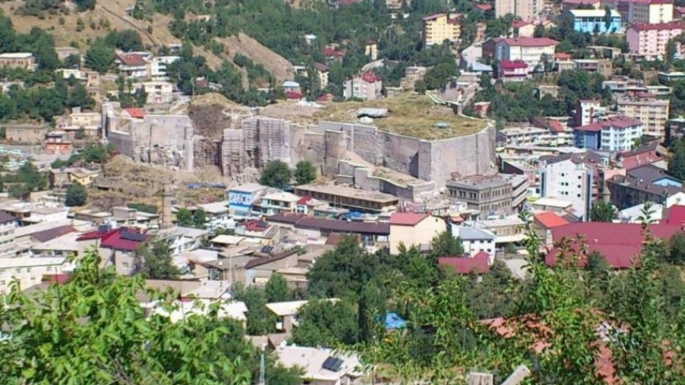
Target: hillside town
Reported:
point(509, 172)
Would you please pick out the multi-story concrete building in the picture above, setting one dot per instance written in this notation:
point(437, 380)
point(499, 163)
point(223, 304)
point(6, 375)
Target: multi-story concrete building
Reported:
point(528, 49)
point(7, 225)
point(440, 27)
point(29, 271)
point(527, 136)
point(132, 65)
point(615, 135)
point(322, 71)
point(512, 70)
point(642, 184)
point(653, 113)
point(586, 111)
point(367, 86)
point(19, 60)
point(603, 66)
point(490, 195)
point(158, 92)
point(594, 20)
point(642, 11)
point(525, 9)
point(158, 65)
point(649, 41)
point(567, 177)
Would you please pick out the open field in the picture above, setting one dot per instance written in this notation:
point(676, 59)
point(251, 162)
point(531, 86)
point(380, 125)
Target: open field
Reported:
point(410, 115)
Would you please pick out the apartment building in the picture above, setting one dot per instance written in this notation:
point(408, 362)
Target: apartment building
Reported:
point(603, 66)
point(649, 41)
point(440, 27)
point(512, 70)
point(132, 65)
point(528, 49)
point(18, 60)
point(29, 271)
point(642, 11)
point(527, 136)
point(7, 225)
point(159, 64)
point(615, 135)
point(490, 195)
point(525, 9)
point(593, 21)
point(367, 86)
point(586, 111)
point(653, 113)
point(567, 177)
point(322, 71)
point(642, 184)
point(158, 92)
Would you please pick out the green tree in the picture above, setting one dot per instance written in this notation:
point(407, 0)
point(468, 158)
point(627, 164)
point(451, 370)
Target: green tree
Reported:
point(153, 260)
point(602, 212)
point(99, 56)
point(371, 311)
point(305, 172)
point(184, 218)
point(671, 50)
point(276, 289)
point(84, 5)
point(276, 174)
point(94, 153)
point(260, 320)
point(76, 195)
point(326, 323)
point(199, 219)
point(676, 253)
point(343, 271)
point(92, 330)
point(676, 166)
point(445, 245)
point(79, 135)
point(79, 97)
point(607, 18)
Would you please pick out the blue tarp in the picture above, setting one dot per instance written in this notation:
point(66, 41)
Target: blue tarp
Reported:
point(394, 321)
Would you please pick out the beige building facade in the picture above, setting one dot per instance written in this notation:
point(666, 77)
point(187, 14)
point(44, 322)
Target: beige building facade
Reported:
point(414, 229)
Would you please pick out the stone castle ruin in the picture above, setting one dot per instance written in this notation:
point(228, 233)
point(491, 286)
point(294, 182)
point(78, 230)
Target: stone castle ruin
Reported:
point(353, 153)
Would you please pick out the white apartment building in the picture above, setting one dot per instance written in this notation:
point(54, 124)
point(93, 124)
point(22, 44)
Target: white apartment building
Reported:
point(567, 177)
point(7, 226)
point(528, 136)
point(528, 49)
point(367, 86)
point(527, 10)
point(159, 64)
point(158, 92)
point(653, 113)
point(586, 111)
point(29, 271)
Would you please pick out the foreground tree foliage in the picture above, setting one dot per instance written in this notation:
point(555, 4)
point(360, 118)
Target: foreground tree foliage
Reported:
point(92, 330)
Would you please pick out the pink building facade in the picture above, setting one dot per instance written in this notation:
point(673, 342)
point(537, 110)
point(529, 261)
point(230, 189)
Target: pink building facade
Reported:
point(649, 40)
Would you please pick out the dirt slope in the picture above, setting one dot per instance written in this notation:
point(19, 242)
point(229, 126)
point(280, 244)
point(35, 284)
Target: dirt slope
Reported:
point(63, 28)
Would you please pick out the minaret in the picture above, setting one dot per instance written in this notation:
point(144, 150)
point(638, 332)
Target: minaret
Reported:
point(606, 193)
point(167, 202)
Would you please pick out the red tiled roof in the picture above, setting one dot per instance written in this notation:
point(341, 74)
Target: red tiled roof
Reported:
point(550, 219)
point(512, 65)
point(304, 200)
point(579, 2)
point(131, 59)
point(531, 42)
point(621, 123)
point(484, 7)
point(676, 215)
point(370, 77)
point(562, 56)
point(407, 219)
point(59, 279)
point(555, 126)
point(330, 52)
point(465, 265)
point(658, 27)
point(136, 113)
point(293, 95)
point(371, 42)
point(519, 24)
point(257, 226)
point(324, 98)
point(619, 243)
point(113, 239)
